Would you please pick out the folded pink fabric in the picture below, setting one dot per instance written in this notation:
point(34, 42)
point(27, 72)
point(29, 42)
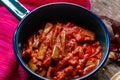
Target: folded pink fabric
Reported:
point(9, 66)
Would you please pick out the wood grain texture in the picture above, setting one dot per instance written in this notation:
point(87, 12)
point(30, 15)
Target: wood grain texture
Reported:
point(110, 8)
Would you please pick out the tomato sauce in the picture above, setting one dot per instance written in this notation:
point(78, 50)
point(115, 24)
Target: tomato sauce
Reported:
point(62, 51)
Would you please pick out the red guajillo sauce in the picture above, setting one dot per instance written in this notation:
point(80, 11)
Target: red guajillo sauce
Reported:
point(62, 51)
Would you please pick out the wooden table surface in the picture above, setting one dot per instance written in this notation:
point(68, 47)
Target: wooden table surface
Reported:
point(111, 9)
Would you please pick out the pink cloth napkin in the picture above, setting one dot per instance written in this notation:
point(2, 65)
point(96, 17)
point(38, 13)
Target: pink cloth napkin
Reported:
point(10, 69)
